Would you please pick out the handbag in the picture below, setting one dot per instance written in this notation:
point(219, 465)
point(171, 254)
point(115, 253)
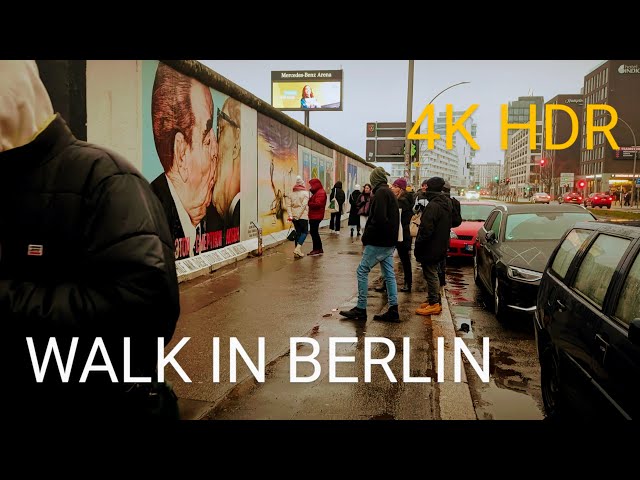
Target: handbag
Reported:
point(292, 234)
point(414, 225)
point(333, 204)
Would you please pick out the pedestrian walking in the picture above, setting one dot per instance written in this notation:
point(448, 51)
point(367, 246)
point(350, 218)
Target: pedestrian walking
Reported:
point(317, 205)
point(379, 239)
point(299, 211)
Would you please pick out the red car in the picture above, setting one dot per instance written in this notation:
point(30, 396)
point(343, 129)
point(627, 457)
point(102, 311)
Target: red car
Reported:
point(463, 237)
point(598, 200)
point(571, 198)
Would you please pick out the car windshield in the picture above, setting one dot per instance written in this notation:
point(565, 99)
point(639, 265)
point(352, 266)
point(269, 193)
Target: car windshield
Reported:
point(542, 226)
point(475, 213)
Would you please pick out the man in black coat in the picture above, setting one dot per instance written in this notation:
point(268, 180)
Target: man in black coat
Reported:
point(379, 238)
point(85, 253)
point(432, 242)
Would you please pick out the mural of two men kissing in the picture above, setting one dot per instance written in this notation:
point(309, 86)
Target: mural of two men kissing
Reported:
point(195, 158)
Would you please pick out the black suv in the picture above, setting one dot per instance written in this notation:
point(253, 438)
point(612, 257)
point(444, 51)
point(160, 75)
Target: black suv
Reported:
point(588, 323)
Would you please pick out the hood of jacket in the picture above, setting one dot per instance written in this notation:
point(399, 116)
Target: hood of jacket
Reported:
point(315, 185)
point(25, 106)
point(439, 198)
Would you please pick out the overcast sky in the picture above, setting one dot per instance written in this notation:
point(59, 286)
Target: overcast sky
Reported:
point(377, 91)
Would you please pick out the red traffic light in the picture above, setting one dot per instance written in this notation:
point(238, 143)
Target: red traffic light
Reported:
point(542, 162)
point(581, 184)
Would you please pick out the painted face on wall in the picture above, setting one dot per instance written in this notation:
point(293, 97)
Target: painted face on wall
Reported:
point(202, 154)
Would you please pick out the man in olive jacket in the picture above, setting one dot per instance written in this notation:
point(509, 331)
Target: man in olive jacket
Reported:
point(379, 238)
point(432, 242)
point(85, 254)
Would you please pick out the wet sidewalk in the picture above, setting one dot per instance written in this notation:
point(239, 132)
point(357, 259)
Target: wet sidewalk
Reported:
point(278, 297)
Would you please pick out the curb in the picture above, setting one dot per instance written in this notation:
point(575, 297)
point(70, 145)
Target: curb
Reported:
point(454, 399)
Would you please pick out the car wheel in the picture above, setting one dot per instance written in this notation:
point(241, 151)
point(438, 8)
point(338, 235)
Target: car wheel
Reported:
point(476, 274)
point(550, 384)
point(609, 207)
point(498, 307)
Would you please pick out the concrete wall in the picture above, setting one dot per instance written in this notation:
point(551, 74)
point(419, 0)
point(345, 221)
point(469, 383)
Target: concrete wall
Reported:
point(114, 107)
point(120, 116)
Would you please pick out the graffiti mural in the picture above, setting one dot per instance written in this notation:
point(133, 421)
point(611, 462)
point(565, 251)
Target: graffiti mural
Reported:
point(191, 157)
point(277, 171)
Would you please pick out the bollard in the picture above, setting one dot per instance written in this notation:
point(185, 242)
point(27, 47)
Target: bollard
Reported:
point(259, 241)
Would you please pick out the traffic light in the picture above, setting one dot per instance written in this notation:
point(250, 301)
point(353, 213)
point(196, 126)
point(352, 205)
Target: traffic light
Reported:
point(477, 187)
point(542, 161)
point(496, 178)
point(581, 184)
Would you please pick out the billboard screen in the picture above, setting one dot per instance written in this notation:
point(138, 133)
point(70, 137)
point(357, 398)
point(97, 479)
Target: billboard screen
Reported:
point(307, 90)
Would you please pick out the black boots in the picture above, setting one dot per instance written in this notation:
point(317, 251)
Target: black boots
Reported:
point(406, 288)
point(355, 314)
point(390, 315)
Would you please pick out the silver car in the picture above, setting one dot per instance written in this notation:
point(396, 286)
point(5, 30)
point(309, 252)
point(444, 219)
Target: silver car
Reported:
point(541, 197)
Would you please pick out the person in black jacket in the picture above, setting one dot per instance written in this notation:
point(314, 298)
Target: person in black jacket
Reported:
point(379, 240)
point(432, 242)
point(456, 221)
point(85, 252)
point(354, 217)
point(338, 195)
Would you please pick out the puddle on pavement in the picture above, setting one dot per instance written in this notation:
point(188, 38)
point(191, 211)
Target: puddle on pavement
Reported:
point(503, 404)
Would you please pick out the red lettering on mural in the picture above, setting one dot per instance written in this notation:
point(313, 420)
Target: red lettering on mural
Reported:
point(182, 247)
point(233, 235)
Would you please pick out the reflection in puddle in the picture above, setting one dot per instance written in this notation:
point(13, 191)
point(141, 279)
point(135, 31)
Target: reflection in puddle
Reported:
point(502, 404)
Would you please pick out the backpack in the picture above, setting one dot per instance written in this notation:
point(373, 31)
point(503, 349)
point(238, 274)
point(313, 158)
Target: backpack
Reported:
point(456, 217)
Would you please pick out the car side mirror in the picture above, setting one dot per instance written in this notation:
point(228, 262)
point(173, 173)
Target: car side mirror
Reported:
point(634, 331)
point(491, 236)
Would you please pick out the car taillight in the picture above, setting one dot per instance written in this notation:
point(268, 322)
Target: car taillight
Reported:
point(579, 198)
point(610, 199)
point(595, 198)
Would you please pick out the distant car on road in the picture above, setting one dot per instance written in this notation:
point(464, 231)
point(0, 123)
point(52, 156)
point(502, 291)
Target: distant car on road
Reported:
point(587, 323)
point(464, 236)
point(598, 200)
point(572, 197)
point(541, 197)
point(514, 245)
point(472, 195)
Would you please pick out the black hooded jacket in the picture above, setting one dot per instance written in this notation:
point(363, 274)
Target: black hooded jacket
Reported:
point(85, 251)
point(432, 241)
point(382, 225)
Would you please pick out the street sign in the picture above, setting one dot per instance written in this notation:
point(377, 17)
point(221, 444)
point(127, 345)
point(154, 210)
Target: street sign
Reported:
point(566, 178)
point(637, 182)
point(417, 164)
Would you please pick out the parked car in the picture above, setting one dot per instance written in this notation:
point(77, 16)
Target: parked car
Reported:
point(514, 245)
point(541, 197)
point(463, 237)
point(472, 195)
point(598, 200)
point(587, 323)
point(570, 198)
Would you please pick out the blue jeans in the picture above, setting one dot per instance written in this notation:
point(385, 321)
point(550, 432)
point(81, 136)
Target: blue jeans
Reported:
point(370, 258)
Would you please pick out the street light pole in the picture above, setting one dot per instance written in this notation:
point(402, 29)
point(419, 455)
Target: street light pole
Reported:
point(407, 142)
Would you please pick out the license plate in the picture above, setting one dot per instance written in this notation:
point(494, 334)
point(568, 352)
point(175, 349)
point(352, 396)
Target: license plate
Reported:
point(469, 248)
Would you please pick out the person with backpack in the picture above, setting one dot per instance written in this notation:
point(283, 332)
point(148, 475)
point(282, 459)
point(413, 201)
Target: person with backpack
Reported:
point(456, 221)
